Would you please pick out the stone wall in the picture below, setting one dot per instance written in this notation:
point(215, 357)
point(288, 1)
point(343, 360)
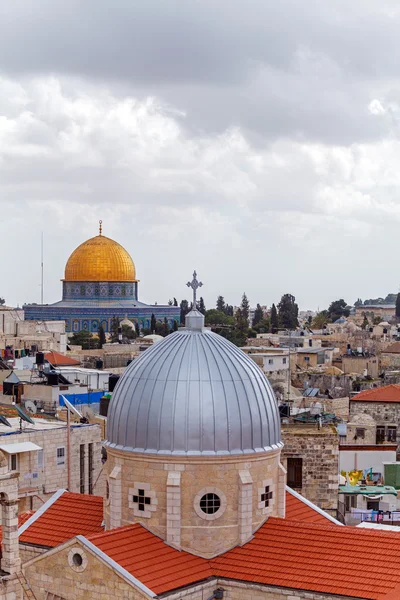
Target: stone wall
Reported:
point(390, 360)
point(337, 406)
point(319, 449)
point(55, 573)
point(162, 479)
point(383, 413)
point(28, 552)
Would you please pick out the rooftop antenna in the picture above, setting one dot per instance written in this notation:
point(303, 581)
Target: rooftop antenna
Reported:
point(41, 281)
point(100, 227)
point(194, 284)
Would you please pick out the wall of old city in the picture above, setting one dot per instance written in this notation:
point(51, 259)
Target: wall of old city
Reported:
point(319, 450)
point(383, 413)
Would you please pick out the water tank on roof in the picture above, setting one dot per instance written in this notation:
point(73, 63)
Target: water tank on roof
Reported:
point(99, 365)
point(104, 402)
point(315, 409)
point(112, 382)
point(39, 358)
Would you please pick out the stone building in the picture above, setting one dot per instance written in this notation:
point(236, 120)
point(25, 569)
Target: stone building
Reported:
point(196, 505)
point(311, 459)
point(383, 405)
point(39, 456)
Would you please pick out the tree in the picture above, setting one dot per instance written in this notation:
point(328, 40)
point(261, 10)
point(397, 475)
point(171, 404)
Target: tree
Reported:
point(202, 306)
point(175, 302)
point(320, 319)
point(365, 322)
point(258, 315)
point(245, 308)
point(274, 319)
point(175, 325)
point(85, 339)
point(162, 328)
point(358, 302)
point(337, 309)
point(170, 302)
point(288, 312)
point(153, 324)
point(102, 336)
point(229, 310)
point(184, 306)
point(217, 317)
point(137, 329)
point(262, 326)
point(2, 301)
point(128, 333)
point(398, 305)
point(115, 321)
point(221, 304)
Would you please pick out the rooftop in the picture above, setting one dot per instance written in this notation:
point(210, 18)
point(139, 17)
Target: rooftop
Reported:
point(60, 360)
point(297, 555)
point(392, 349)
point(61, 518)
point(387, 393)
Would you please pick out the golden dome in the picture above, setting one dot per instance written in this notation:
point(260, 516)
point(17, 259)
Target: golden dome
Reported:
point(100, 259)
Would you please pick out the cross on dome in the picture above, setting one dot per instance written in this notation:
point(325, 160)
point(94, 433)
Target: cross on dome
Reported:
point(194, 284)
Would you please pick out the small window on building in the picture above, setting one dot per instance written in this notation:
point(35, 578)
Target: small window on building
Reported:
point(350, 502)
point(380, 435)
point(266, 496)
point(141, 500)
point(61, 455)
point(13, 462)
point(284, 361)
point(295, 472)
point(210, 503)
point(360, 433)
point(391, 433)
point(307, 359)
point(270, 361)
point(40, 459)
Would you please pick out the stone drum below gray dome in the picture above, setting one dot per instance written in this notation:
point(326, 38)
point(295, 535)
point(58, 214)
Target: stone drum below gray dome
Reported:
point(194, 393)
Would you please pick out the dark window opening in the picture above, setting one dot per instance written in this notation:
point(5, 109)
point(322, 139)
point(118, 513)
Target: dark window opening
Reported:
point(380, 435)
point(266, 496)
point(141, 500)
point(90, 467)
point(210, 503)
point(82, 468)
point(391, 433)
point(295, 472)
point(360, 433)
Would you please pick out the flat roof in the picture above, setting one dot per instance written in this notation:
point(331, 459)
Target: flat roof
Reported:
point(19, 447)
point(368, 490)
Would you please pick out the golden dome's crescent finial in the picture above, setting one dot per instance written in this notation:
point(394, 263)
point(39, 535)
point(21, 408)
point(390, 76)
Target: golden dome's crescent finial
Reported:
point(100, 226)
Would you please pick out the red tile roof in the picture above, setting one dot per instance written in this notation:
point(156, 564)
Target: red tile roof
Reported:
point(387, 393)
point(149, 559)
point(393, 348)
point(60, 360)
point(70, 515)
point(297, 510)
point(304, 556)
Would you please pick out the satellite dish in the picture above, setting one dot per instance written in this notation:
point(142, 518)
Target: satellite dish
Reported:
point(23, 416)
point(72, 408)
point(31, 407)
point(4, 421)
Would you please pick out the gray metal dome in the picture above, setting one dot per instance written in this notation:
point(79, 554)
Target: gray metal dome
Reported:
point(194, 393)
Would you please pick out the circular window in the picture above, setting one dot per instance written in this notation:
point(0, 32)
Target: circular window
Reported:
point(77, 559)
point(210, 503)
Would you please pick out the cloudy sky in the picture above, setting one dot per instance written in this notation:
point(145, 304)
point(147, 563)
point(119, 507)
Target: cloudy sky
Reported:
point(255, 141)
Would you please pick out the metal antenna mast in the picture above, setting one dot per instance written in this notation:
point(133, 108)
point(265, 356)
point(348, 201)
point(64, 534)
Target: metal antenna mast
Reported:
point(41, 282)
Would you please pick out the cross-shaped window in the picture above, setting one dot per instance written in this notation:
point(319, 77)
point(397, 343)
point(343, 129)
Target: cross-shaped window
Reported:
point(266, 496)
point(141, 500)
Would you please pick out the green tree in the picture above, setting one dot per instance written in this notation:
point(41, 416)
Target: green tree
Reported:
point(162, 328)
point(217, 317)
point(202, 306)
point(398, 305)
point(365, 322)
point(229, 310)
point(221, 304)
point(2, 301)
point(320, 319)
point(245, 308)
point(175, 325)
point(137, 329)
point(102, 336)
point(85, 339)
point(274, 319)
point(337, 309)
point(170, 302)
point(263, 326)
point(128, 333)
point(175, 302)
point(358, 302)
point(153, 324)
point(288, 312)
point(184, 306)
point(115, 321)
point(258, 315)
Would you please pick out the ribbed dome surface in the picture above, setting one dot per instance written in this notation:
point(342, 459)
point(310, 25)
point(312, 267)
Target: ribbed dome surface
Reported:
point(193, 393)
point(100, 259)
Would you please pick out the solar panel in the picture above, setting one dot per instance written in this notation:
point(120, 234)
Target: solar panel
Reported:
point(23, 415)
point(4, 421)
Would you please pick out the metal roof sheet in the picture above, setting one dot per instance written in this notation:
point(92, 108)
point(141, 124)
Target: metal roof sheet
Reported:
point(19, 447)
